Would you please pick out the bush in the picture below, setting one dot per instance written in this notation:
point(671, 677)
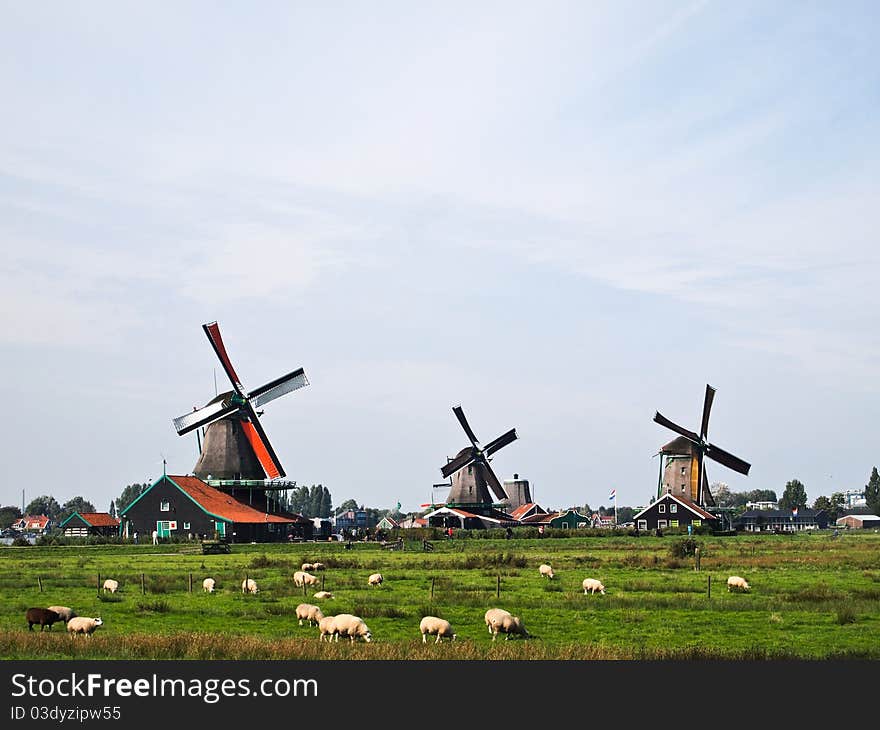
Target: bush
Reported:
point(684, 547)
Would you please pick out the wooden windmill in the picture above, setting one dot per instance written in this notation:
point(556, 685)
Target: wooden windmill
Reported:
point(235, 445)
point(472, 477)
point(682, 463)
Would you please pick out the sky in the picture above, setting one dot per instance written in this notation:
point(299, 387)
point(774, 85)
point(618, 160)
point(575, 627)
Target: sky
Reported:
point(564, 216)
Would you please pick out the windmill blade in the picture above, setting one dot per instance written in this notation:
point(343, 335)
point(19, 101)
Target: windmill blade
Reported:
point(212, 329)
point(701, 476)
point(707, 407)
point(260, 444)
point(729, 460)
point(459, 414)
point(278, 387)
point(663, 421)
point(203, 416)
point(459, 462)
point(492, 481)
point(500, 442)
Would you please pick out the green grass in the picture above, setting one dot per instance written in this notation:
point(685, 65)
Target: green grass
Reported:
point(811, 597)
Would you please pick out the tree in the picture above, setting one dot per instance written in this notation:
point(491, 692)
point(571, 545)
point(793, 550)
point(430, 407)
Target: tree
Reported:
point(822, 503)
point(75, 504)
point(44, 505)
point(872, 492)
point(112, 509)
point(129, 495)
point(721, 492)
point(348, 504)
point(8, 515)
point(795, 495)
point(326, 503)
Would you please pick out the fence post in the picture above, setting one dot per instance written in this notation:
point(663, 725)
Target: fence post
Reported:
point(697, 559)
point(498, 588)
point(709, 586)
point(143, 584)
point(432, 587)
point(98, 586)
point(40, 581)
point(190, 582)
point(322, 581)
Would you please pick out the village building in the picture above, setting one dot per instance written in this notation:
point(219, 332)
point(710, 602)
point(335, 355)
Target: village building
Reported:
point(37, 524)
point(858, 522)
point(527, 510)
point(461, 519)
point(85, 524)
point(777, 520)
point(672, 511)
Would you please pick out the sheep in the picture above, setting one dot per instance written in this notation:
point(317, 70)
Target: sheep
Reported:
point(43, 616)
point(208, 585)
point(546, 570)
point(304, 579)
point(306, 567)
point(737, 583)
point(111, 586)
point(83, 625)
point(509, 626)
point(346, 624)
point(324, 594)
point(65, 612)
point(591, 585)
point(249, 585)
point(493, 615)
point(434, 625)
point(375, 579)
point(317, 566)
point(310, 613)
point(325, 627)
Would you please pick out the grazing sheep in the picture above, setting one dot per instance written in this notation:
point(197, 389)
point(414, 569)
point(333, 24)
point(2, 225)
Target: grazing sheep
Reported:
point(326, 628)
point(208, 585)
point(346, 624)
point(323, 594)
point(111, 586)
point(735, 582)
point(43, 616)
point(304, 579)
point(306, 567)
point(249, 585)
point(317, 566)
point(375, 579)
point(63, 611)
point(310, 613)
point(493, 615)
point(434, 625)
point(546, 570)
point(591, 585)
point(83, 625)
point(509, 626)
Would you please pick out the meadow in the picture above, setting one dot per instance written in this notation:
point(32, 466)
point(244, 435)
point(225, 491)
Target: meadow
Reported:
point(813, 596)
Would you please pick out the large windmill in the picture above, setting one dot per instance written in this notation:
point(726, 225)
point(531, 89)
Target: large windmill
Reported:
point(682, 466)
point(472, 477)
point(235, 445)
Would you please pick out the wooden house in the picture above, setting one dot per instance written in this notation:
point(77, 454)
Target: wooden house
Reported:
point(83, 524)
point(672, 511)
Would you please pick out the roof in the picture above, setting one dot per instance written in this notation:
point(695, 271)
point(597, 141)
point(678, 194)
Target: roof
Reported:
point(678, 447)
point(501, 517)
point(686, 503)
point(804, 514)
point(33, 522)
point(94, 519)
point(524, 509)
point(539, 518)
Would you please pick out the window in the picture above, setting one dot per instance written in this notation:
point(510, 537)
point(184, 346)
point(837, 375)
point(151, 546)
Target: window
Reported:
point(683, 472)
point(673, 523)
point(661, 508)
point(696, 523)
point(661, 523)
point(564, 525)
point(673, 508)
point(164, 505)
point(186, 526)
point(642, 525)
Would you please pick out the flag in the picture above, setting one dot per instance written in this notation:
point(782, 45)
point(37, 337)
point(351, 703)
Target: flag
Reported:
point(398, 505)
point(794, 511)
point(613, 494)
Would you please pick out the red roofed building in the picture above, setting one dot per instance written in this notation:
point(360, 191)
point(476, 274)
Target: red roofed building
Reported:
point(524, 511)
point(180, 506)
point(32, 523)
point(83, 524)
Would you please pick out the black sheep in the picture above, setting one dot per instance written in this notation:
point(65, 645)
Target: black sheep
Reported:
point(42, 616)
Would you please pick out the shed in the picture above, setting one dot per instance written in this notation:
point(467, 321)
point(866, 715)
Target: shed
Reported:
point(858, 522)
point(82, 524)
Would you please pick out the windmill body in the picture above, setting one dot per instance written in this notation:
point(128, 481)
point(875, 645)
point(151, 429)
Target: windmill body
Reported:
point(683, 460)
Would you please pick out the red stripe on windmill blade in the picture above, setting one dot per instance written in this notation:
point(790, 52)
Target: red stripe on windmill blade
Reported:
point(262, 453)
point(212, 329)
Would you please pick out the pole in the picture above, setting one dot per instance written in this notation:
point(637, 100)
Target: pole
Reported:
point(432, 587)
point(498, 588)
point(40, 581)
point(190, 582)
point(143, 584)
point(709, 586)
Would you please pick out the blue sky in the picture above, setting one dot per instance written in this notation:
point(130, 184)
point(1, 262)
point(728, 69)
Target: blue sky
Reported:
point(564, 216)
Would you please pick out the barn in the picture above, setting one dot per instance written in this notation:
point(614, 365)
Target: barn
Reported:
point(570, 519)
point(83, 524)
point(180, 506)
point(858, 522)
point(671, 511)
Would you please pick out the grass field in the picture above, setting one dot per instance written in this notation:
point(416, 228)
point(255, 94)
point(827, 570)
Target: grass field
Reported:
point(813, 597)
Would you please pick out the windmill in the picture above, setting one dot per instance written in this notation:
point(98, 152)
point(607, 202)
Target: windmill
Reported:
point(472, 487)
point(235, 444)
point(695, 448)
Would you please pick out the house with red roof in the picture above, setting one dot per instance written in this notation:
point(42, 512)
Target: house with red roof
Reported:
point(83, 524)
point(184, 506)
point(32, 523)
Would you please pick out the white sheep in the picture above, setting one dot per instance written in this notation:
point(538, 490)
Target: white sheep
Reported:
point(493, 615)
point(509, 626)
point(306, 567)
point(346, 624)
point(65, 612)
point(433, 625)
point(546, 570)
point(249, 585)
point(111, 586)
point(375, 579)
point(304, 579)
point(208, 585)
point(323, 594)
point(326, 628)
point(591, 585)
point(317, 566)
point(83, 625)
point(309, 612)
point(738, 583)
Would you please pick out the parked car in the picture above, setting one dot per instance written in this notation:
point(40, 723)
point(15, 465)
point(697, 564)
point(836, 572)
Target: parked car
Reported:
point(9, 532)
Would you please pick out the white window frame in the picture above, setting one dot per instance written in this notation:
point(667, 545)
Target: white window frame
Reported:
point(661, 524)
point(164, 506)
point(642, 525)
point(187, 526)
point(673, 509)
point(661, 508)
